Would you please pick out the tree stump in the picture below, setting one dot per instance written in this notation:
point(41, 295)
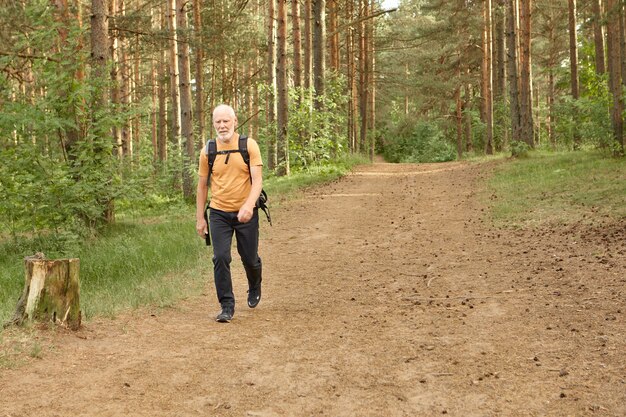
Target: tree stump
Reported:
point(51, 292)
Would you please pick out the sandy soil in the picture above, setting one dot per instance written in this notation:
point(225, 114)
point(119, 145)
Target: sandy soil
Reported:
point(386, 293)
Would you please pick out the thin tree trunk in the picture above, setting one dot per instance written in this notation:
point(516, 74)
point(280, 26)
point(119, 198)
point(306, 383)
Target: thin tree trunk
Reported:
point(124, 70)
point(297, 43)
point(334, 38)
point(614, 69)
point(527, 126)
point(513, 73)
point(174, 76)
point(467, 106)
point(199, 55)
point(598, 36)
point(99, 52)
point(282, 99)
point(573, 59)
point(363, 87)
point(186, 107)
point(308, 44)
point(350, 81)
point(372, 82)
point(319, 52)
point(500, 72)
point(162, 83)
point(116, 80)
point(271, 80)
point(622, 29)
point(459, 111)
point(487, 77)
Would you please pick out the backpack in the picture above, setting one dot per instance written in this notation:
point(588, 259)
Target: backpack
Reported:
point(212, 152)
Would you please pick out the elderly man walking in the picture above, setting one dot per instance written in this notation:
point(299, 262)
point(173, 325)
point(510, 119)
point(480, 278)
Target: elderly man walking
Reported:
point(235, 187)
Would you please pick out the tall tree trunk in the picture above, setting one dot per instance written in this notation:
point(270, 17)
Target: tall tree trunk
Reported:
point(186, 108)
point(487, 77)
point(124, 72)
point(137, 98)
point(308, 44)
point(363, 73)
point(281, 84)
point(199, 54)
point(162, 83)
point(614, 69)
point(319, 51)
point(500, 71)
point(573, 59)
point(271, 80)
point(297, 43)
point(174, 75)
point(372, 81)
point(513, 73)
point(527, 126)
point(467, 107)
point(459, 109)
point(350, 81)
point(598, 36)
point(116, 79)
point(622, 42)
point(334, 36)
point(99, 51)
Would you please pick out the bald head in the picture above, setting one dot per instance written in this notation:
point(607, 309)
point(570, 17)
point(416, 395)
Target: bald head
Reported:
point(224, 108)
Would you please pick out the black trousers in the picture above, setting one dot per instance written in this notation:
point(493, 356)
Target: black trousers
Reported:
point(222, 225)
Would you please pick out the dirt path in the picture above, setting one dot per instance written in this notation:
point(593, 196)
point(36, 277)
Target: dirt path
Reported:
point(385, 295)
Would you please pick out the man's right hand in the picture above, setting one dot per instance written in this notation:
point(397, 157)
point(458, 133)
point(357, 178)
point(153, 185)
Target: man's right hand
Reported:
point(201, 228)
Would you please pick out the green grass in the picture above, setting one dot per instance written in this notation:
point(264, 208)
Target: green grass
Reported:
point(558, 188)
point(152, 257)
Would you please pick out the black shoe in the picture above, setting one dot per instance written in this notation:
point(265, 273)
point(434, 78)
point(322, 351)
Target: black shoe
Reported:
point(226, 315)
point(254, 296)
point(255, 276)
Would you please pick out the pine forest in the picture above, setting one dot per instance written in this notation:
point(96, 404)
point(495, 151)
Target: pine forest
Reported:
point(106, 104)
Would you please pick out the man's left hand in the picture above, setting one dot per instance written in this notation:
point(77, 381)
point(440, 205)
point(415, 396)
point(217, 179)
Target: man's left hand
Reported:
point(245, 214)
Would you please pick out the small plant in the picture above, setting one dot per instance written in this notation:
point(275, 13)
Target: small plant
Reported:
point(519, 149)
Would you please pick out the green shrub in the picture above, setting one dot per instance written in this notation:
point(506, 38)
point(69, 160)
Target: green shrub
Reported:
point(421, 141)
point(519, 149)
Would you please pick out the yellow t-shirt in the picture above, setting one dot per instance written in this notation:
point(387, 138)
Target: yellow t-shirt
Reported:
point(230, 182)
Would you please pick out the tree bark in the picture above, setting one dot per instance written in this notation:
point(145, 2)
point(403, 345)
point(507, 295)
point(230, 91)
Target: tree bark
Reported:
point(319, 51)
point(334, 38)
point(308, 44)
point(598, 36)
point(271, 81)
point(51, 292)
point(174, 75)
point(487, 77)
point(526, 112)
point(282, 99)
point(186, 108)
point(363, 74)
point(513, 73)
point(199, 55)
point(297, 43)
point(350, 69)
point(614, 69)
point(372, 81)
point(573, 59)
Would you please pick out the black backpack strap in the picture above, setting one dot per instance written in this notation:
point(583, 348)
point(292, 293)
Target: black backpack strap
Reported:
point(243, 150)
point(211, 153)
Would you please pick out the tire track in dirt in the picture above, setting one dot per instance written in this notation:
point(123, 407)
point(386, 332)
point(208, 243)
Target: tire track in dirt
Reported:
point(386, 294)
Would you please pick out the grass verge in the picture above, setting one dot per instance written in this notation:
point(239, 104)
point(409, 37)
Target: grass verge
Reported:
point(559, 188)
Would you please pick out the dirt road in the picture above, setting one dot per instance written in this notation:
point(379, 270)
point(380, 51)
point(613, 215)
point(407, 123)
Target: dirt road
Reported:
point(386, 293)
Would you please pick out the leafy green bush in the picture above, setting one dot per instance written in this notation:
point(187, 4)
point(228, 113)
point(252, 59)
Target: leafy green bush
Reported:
point(416, 141)
point(519, 149)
